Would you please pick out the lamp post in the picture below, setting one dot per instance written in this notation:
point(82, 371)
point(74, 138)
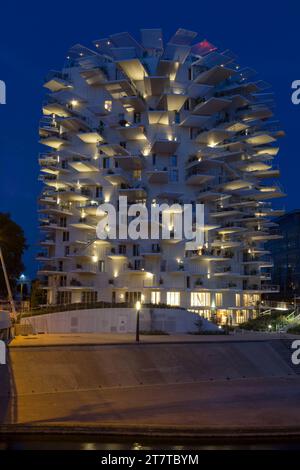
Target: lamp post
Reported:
point(137, 331)
point(22, 280)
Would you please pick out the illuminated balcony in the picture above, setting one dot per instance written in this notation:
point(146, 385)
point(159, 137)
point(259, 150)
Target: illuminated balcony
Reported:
point(56, 81)
point(159, 117)
point(236, 184)
point(73, 196)
point(171, 101)
point(83, 225)
point(133, 68)
point(111, 150)
point(260, 138)
point(213, 137)
point(164, 144)
point(131, 132)
point(83, 166)
point(90, 137)
point(134, 103)
point(54, 141)
point(56, 108)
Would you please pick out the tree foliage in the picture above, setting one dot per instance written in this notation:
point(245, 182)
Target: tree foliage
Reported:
point(13, 244)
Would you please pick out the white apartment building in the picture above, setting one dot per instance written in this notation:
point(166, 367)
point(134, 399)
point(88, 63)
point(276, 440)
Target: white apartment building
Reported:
point(174, 122)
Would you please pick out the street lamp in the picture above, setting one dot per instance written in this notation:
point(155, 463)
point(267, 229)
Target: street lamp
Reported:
point(22, 279)
point(138, 306)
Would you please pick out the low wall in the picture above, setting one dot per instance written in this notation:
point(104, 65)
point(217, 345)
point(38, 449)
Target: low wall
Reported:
point(116, 320)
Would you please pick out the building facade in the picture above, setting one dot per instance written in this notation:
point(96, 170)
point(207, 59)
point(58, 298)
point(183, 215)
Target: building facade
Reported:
point(180, 122)
point(285, 253)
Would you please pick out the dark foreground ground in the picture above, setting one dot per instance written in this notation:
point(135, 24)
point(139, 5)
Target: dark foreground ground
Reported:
point(185, 387)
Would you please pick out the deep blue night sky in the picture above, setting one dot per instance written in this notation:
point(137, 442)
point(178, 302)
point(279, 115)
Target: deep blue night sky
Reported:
point(35, 37)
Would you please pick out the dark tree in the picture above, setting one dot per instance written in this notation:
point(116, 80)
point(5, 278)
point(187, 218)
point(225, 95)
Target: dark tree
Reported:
point(13, 244)
point(38, 296)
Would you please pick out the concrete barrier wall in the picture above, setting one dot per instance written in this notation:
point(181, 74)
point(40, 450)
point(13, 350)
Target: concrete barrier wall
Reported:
point(115, 320)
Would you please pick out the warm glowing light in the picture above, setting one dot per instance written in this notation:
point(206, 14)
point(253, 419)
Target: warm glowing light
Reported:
point(138, 305)
point(74, 102)
point(212, 144)
point(95, 258)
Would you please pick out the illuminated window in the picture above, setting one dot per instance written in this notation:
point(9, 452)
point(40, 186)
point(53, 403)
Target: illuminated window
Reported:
point(108, 105)
point(238, 300)
point(137, 174)
point(200, 299)
point(251, 299)
point(155, 297)
point(173, 298)
point(219, 299)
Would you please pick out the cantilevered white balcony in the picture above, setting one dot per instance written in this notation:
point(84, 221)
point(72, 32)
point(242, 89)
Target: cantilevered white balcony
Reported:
point(260, 138)
point(157, 176)
point(213, 137)
point(83, 166)
point(214, 76)
point(111, 150)
point(164, 144)
point(132, 132)
point(166, 67)
point(159, 117)
point(236, 184)
point(54, 141)
point(171, 101)
point(56, 108)
point(90, 137)
point(118, 176)
point(133, 68)
point(56, 81)
point(130, 162)
point(156, 86)
point(73, 196)
point(133, 193)
point(95, 76)
point(211, 106)
point(89, 269)
point(197, 176)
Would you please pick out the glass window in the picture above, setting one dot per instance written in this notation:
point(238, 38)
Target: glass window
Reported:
point(108, 105)
point(155, 297)
point(173, 175)
point(173, 160)
point(219, 299)
point(200, 299)
point(173, 298)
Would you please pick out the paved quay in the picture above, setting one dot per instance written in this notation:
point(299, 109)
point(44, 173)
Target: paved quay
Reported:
point(61, 339)
point(166, 385)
